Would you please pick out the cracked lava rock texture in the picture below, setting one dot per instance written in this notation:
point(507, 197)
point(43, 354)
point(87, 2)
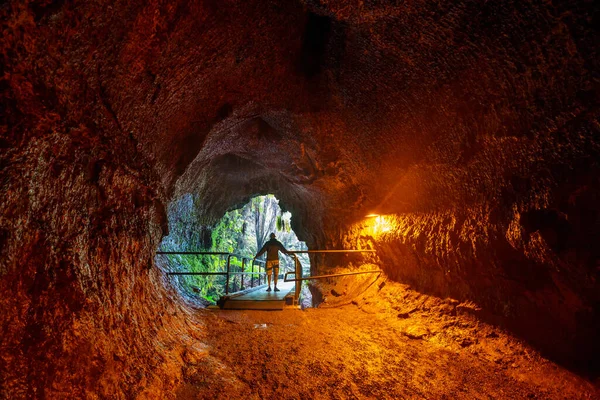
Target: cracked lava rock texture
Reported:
point(469, 127)
point(439, 351)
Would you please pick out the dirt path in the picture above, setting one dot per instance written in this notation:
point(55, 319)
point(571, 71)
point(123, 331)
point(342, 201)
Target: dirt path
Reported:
point(346, 353)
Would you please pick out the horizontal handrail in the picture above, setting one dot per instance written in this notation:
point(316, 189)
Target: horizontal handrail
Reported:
point(196, 273)
point(298, 271)
point(209, 253)
point(331, 251)
point(228, 271)
point(215, 273)
point(285, 278)
point(212, 253)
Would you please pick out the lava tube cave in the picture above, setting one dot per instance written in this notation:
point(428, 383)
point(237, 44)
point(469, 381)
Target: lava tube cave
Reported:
point(440, 161)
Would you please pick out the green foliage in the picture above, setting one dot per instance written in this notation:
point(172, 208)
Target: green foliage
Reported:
point(208, 287)
point(227, 233)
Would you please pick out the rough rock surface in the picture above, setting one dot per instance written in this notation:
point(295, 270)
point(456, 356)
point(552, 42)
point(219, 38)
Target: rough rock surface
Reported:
point(442, 351)
point(472, 127)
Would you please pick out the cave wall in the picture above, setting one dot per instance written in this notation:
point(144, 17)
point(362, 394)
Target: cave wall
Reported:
point(81, 315)
point(103, 107)
point(522, 244)
point(473, 127)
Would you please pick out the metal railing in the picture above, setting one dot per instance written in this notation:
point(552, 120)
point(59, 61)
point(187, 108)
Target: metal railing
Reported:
point(227, 272)
point(298, 268)
point(285, 279)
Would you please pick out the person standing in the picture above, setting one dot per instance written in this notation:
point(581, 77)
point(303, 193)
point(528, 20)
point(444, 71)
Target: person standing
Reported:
point(272, 247)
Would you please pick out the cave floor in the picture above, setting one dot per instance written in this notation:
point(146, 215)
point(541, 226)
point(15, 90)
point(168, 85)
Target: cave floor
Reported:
point(260, 299)
point(353, 352)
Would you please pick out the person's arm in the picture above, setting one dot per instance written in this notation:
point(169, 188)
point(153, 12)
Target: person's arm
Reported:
point(261, 251)
point(283, 249)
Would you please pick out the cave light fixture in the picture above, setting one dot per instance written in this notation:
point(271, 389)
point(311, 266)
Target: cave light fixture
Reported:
point(377, 224)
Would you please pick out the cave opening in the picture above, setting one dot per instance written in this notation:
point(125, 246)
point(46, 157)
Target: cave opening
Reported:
point(193, 248)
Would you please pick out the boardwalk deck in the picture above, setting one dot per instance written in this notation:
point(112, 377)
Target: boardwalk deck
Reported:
point(260, 299)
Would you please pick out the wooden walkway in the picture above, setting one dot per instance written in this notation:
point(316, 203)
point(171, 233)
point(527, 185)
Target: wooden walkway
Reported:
point(260, 299)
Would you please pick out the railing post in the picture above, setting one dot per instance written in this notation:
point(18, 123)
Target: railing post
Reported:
point(227, 280)
point(242, 274)
point(252, 276)
point(298, 270)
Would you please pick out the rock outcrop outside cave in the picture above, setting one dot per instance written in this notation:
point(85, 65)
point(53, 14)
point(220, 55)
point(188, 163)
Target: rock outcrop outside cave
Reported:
point(470, 127)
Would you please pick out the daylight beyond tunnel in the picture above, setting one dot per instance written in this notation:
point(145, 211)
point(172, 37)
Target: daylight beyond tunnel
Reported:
point(470, 129)
point(242, 232)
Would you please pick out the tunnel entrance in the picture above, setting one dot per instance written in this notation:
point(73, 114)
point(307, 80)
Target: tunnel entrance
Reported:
point(231, 243)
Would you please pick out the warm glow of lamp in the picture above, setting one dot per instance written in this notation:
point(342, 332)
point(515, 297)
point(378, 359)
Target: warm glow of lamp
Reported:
point(377, 224)
point(382, 225)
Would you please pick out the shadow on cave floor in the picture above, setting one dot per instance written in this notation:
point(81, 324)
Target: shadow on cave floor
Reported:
point(421, 347)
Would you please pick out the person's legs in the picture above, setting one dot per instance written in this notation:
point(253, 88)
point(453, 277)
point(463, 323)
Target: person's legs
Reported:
point(269, 268)
point(275, 276)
